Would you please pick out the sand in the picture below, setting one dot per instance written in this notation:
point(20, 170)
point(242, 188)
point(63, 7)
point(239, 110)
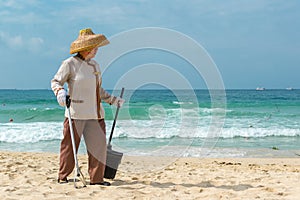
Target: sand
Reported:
point(34, 176)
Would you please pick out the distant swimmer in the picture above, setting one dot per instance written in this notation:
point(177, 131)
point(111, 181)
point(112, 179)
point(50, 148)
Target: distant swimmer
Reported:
point(11, 120)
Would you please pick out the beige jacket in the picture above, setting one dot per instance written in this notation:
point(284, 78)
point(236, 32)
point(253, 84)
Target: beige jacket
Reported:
point(82, 78)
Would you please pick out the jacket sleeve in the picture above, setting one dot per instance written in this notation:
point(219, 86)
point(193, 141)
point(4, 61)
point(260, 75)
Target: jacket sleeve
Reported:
point(60, 78)
point(106, 97)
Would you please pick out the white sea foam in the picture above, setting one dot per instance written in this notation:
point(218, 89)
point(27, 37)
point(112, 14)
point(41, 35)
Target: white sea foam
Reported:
point(146, 137)
point(182, 103)
point(30, 132)
point(143, 129)
point(154, 129)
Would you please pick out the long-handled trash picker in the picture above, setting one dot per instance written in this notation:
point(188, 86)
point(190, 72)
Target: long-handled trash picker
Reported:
point(113, 158)
point(77, 172)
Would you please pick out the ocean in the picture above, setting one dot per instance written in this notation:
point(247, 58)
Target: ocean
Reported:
point(165, 123)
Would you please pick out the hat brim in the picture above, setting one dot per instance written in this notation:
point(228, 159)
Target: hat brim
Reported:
point(85, 43)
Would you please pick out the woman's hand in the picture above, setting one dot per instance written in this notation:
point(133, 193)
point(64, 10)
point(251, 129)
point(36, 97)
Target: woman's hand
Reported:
point(61, 97)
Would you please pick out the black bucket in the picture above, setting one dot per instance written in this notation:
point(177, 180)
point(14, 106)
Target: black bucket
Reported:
point(113, 159)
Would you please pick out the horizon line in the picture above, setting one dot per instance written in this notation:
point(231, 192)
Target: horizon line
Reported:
point(163, 89)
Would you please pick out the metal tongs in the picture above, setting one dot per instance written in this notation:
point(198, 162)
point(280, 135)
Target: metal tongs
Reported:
point(77, 171)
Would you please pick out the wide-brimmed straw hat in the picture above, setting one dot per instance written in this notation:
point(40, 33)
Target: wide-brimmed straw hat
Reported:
point(87, 40)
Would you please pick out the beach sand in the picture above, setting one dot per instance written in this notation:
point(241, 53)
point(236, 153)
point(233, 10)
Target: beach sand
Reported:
point(34, 176)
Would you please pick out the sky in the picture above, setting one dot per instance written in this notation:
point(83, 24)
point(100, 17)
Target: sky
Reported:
point(254, 43)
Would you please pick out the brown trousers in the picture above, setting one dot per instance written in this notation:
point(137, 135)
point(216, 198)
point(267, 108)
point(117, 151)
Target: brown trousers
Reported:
point(95, 139)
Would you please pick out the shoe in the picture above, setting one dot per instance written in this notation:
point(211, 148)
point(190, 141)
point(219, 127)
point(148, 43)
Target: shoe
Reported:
point(104, 183)
point(62, 181)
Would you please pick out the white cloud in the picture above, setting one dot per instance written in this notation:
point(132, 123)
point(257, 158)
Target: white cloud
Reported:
point(93, 11)
point(21, 12)
point(24, 18)
point(13, 42)
point(35, 44)
point(18, 42)
point(18, 4)
point(10, 4)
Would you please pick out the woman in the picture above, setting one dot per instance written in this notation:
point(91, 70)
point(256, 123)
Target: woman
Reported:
point(83, 77)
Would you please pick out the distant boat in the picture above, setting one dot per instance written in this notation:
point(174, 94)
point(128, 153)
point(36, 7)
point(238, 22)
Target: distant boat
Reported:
point(289, 88)
point(260, 88)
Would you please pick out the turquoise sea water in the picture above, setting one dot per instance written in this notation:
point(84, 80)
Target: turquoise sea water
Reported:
point(163, 122)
